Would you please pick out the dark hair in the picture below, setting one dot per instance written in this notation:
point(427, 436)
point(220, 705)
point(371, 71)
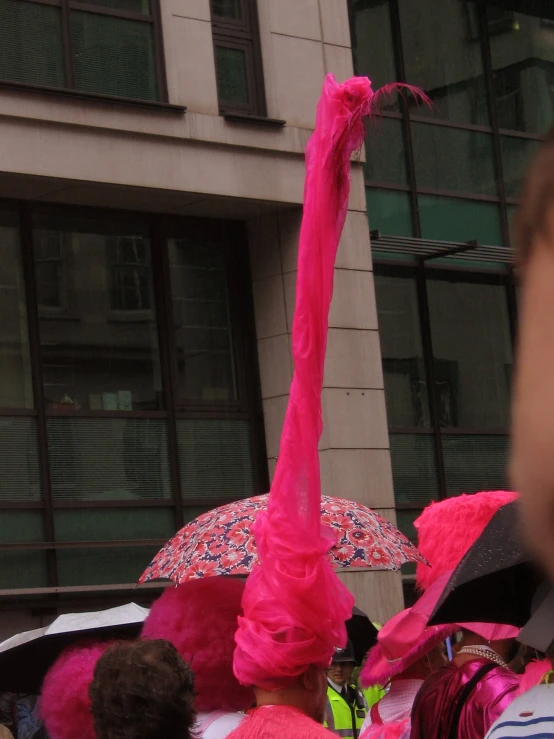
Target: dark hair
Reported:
point(536, 197)
point(142, 690)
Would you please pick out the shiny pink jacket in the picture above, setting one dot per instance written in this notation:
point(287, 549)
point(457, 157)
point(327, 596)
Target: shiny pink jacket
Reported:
point(436, 702)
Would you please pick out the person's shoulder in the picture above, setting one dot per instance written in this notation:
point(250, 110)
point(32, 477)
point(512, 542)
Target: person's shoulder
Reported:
point(529, 715)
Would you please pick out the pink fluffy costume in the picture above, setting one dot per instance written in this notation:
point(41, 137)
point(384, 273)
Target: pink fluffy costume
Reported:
point(199, 618)
point(446, 531)
point(294, 604)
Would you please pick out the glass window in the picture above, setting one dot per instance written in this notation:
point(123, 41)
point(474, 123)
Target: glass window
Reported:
point(32, 47)
point(203, 339)
point(111, 51)
point(16, 390)
point(414, 470)
point(104, 524)
point(402, 353)
point(523, 68)
point(442, 55)
point(472, 353)
point(452, 159)
point(215, 458)
point(113, 56)
point(20, 478)
point(453, 219)
point(516, 156)
point(232, 75)
point(228, 9)
point(103, 565)
point(372, 42)
point(385, 152)
point(475, 462)
point(108, 458)
point(389, 211)
point(22, 569)
point(99, 344)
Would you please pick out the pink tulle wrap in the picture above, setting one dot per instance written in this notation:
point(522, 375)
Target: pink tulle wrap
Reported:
point(65, 705)
point(294, 604)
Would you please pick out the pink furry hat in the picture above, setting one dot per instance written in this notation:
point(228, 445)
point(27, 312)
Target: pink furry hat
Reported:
point(200, 619)
point(65, 705)
point(402, 641)
point(446, 530)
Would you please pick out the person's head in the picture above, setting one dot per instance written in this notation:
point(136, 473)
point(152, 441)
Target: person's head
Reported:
point(430, 662)
point(307, 692)
point(142, 690)
point(342, 666)
point(200, 619)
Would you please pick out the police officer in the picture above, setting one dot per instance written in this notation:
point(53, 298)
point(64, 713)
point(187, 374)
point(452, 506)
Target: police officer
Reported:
point(346, 707)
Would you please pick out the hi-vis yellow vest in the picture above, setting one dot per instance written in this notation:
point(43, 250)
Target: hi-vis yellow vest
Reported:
point(341, 718)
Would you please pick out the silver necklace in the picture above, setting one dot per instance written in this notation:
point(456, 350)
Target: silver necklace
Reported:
point(485, 653)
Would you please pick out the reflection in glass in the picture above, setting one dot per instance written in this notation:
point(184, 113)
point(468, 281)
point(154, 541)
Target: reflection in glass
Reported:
point(203, 341)
point(516, 156)
point(453, 219)
point(455, 160)
point(442, 55)
point(385, 152)
point(475, 462)
point(372, 42)
point(402, 353)
point(227, 9)
point(16, 389)
point(389, 211)
point(98, 332)
point(522, 53)
point(472, 353)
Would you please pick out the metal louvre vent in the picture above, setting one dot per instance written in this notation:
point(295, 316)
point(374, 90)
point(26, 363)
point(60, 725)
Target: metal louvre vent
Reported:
point(474, 463)
point(108, 458)
point(428, 249)
point(20, 478)
point(215, 458)
point(413, 468)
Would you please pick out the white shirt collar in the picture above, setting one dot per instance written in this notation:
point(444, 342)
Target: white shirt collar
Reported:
point(334, 685)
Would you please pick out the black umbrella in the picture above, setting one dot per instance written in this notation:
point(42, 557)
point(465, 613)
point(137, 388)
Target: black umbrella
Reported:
point(25, 658)
point(362, 633)
point(496, 580)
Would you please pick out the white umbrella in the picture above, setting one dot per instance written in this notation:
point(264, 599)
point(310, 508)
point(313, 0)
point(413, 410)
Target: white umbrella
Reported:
point(25, 658)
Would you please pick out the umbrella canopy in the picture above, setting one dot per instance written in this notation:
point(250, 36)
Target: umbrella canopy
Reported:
point(362, 634)
point(220, 542)
point(25, 658)
point(496, 580)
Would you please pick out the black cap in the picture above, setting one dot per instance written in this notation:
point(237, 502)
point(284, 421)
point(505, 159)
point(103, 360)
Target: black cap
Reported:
point(345, 655)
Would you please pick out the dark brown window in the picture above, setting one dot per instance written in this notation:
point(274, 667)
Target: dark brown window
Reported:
point(128, 388)
point(238, 60)
point(107, 47)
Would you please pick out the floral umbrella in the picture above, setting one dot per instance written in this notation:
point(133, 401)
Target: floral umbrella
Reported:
point(220, 542)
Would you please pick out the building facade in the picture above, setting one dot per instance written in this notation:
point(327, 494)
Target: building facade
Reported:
point(442, 185)
point(151, 182)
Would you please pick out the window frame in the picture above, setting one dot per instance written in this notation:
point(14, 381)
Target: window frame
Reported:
point(66, 6)
point(184, 507)
point(243, 35)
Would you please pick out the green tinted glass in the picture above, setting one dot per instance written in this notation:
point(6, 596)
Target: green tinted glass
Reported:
point(227, 9)
point(474, 463)
point(32, 49)
point(372, 42)
point(83, 524)
point(453, 219)
point(450, 159)
point(414, 471)
point(389, 212)
point(232, 75)
point(516, 155)
point(385, 152)
point(103, 566)
point(131, 6)
point(113, 56)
